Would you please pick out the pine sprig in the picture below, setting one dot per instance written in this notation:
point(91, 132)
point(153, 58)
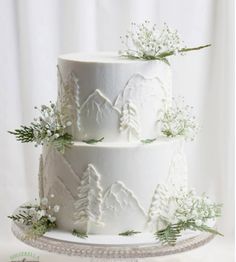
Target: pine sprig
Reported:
point(169, 235)
point(129, 233)
point(79, 234)
point(172, 232)
point(148, 141)
point(93, 141)
point(24, 135)
point(47, 129)
point(63, 142)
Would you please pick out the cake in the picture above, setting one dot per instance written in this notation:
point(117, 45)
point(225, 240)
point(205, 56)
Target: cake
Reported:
point(123, 166)
point(119, 100)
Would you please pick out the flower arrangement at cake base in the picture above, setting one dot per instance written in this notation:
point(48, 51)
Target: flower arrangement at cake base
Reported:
point(38, 218)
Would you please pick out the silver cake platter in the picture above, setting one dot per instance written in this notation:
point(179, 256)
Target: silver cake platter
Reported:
point(107, 246)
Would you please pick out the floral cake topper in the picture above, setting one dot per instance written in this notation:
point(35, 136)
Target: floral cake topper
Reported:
point(146, 41)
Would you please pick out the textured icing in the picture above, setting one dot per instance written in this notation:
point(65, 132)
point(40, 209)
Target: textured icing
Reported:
point(40, 178)
point(119, 203)
point(96, 113)
point(89, 200)
point(177, 178)
point(138, 167)
point(68, 101)
point(129, 120)
point(105, 88)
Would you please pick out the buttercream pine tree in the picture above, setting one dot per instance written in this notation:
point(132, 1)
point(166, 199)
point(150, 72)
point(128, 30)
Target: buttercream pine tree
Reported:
point(88, 206)
point(68, 102)
point(129, 121)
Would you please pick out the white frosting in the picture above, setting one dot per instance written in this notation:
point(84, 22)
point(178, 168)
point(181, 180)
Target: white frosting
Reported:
point(102, 84)
point(139, 168)
point(111, 187)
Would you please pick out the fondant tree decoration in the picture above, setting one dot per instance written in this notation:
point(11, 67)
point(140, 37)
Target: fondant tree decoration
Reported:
point(88, 205)
point(68, 102)
point(129, 121)
point(159, 200)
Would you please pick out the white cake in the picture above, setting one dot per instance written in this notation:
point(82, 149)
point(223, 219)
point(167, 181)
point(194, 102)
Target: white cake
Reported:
point(109, 187)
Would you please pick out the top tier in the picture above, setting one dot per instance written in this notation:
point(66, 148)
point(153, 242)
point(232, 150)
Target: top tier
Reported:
point(105, 95)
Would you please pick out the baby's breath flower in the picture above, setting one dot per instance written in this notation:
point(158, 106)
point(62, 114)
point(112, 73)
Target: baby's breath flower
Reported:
point(44, 201)
point(177, 120)
point(56, 208)
point(146, 41)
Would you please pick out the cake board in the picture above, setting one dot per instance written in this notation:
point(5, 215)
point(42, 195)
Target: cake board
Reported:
point(105, 247)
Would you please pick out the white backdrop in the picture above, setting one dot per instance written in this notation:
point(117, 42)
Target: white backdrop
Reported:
point(34, 33)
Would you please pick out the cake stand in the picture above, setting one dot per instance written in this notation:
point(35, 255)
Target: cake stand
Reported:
point(100, 248)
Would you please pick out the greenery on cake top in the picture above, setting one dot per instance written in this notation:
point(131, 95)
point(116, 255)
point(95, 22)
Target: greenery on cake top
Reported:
point(183, 210)
point(47, 129)
point(177, 119)
point(39, 218)
point(146, 41)
point(79, 233)
point(129, 233)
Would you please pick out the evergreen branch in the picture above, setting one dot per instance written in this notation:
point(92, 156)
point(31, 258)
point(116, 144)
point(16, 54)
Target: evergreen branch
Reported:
point(62, 142)
point(24, 135)
point(208, 229)
point(148, 141)
point(129, 233)
point(79, 234)
point(93, 141)
point(172, 232)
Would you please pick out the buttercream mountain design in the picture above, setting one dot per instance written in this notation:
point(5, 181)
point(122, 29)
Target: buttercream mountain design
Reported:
point(60, 169)
point(118, 203)
point(147, 94)
point(96, 112)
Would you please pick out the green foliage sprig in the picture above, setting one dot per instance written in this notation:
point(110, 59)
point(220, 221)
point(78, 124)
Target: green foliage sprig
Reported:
point(172, 232)
point(39, 218)
point(79, 234)
point(129, 233)
point(148, 141)
point(93, 141)
point(146, 41)
point(47, 129)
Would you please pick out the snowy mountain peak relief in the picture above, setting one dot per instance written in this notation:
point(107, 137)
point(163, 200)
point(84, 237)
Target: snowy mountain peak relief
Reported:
point(118, 203)
point(147, 94)
point(98, 114)
point(118, 197)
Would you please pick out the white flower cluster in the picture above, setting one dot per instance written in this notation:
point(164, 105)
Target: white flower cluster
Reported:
point(178, 120)
point(146, 41)
point(49, 126)
point(36, 212)
point(185, 206)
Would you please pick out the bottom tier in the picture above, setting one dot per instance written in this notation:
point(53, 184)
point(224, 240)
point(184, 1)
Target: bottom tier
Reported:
point(107, 188)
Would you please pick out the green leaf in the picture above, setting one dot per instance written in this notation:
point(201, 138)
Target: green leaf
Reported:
point(129, 233)
point(93, 141)
point(79, 234)
point(148, 141)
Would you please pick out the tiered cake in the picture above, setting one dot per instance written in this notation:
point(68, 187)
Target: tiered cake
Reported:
point(108, 187)
point(113, 160)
